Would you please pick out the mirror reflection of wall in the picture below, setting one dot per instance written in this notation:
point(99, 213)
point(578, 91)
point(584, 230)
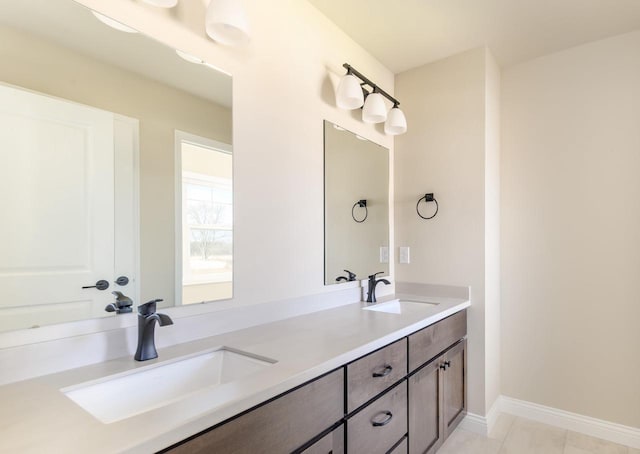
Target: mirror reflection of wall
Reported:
point(356, 237)
point(88, 128)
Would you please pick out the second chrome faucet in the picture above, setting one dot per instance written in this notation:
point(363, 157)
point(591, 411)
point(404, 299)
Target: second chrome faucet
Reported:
point(147, 318)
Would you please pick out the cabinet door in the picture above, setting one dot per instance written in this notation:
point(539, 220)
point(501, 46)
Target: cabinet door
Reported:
point(455, 395)
point(426, 427)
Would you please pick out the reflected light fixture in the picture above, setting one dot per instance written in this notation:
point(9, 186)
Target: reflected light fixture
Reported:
point(190, 58)
point(226, 22)
point(355, 90)
point(113, 23)
point(162, 3)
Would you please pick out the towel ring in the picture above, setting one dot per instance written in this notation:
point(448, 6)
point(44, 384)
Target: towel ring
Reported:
point(361, 204)
point(427, 198)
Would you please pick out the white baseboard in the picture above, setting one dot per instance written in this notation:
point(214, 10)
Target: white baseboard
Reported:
point(482, 425)
point(475, 423)
point(616, 433)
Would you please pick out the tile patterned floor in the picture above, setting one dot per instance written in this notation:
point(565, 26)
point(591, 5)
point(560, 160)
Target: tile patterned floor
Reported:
point(513, 435)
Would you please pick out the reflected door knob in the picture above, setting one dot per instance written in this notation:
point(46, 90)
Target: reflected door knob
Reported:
point(100, 285)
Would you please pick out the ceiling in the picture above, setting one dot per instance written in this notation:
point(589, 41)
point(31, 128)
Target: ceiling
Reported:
point(71, 25)
point(404, 34)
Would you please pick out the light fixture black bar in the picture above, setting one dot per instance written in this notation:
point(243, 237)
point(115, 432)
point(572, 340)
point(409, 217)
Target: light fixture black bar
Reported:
point(351, 70)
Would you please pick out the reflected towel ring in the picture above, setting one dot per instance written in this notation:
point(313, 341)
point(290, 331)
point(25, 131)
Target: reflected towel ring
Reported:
point(361, 204)
point(427, 198)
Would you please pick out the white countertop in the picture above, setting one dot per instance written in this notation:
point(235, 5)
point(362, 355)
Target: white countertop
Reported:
point(36, 417)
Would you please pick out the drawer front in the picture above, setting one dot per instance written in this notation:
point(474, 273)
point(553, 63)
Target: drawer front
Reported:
point(402, 448)
point(332, 443)
point(369, 376)
point(282, 425)
point(425, 344)
point(379, 425)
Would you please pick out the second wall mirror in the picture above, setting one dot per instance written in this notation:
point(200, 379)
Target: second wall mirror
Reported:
point(356, 206)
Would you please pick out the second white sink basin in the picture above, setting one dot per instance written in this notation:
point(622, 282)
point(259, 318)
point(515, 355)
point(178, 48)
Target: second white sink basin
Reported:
point(130, 393)
point(395, 306)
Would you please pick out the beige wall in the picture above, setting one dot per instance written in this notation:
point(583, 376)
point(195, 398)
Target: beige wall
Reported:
point(445, 152)
point(571, 230)
point(283, 87)
point(492, 232)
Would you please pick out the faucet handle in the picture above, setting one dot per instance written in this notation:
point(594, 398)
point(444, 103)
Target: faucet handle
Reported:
point(122, 305)
point(149, 307)
point(352, 275)
point(373, 276)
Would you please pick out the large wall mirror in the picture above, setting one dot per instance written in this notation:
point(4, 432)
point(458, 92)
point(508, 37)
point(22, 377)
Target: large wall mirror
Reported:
point(115, 168)
point(356, 205)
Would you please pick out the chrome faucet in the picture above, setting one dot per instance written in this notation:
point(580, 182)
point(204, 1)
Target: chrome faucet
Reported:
point(373, 282)
point(147, 318)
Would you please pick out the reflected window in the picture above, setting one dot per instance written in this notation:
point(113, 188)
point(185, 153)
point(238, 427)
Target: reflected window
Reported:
point(207, 220)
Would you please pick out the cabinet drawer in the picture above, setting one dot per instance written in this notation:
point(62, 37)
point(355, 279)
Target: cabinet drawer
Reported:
point(379, 425)
point(332, 443)
point(401, 448)
point(282, 425)
point(369, 376)
point(432, 340)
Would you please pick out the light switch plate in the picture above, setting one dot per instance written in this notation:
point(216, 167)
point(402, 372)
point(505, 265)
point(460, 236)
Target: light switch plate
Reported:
point(384, 254)
point(405, 256)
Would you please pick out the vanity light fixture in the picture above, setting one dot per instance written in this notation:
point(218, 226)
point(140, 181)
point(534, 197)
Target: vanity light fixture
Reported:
point(226, 22)
point(374, 110)
point(396, 122)
point(355, 90)
point(162, 3)
point(113, 23)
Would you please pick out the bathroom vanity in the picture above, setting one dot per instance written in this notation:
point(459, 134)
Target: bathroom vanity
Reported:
point(356, 378)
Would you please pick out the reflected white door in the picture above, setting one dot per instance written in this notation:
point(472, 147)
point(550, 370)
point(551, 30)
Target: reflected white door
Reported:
point(57, 226)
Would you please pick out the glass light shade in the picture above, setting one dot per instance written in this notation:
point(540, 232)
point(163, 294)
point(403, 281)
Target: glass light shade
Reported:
point(375, 111)
point(162, 3)
point(349, 95)
point(226, 22)
point(396, 122)
point(113, 23)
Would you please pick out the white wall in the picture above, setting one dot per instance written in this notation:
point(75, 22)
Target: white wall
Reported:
point(450, 149)
point(571, 230)
point(283, 87)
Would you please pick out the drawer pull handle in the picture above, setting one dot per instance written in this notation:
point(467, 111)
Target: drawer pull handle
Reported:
point(386, 371)
point(385, 421)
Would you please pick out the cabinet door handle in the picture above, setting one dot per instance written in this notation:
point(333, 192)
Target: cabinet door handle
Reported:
point(386, 371)
point(387, 418)
point(443, 366)
point(447, 363)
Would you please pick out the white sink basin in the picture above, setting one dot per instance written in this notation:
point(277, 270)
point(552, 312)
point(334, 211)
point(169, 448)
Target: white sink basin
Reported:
point(395, 306)
point(121, 396)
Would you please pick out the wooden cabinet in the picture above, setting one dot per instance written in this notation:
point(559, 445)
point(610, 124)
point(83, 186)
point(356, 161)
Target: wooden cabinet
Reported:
point(279, 426)
point(437, 400)
point(372, 374)
point(455, 394)
point(332, 443)
point(367, 406)
point(429, 342)
point(380, 425)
